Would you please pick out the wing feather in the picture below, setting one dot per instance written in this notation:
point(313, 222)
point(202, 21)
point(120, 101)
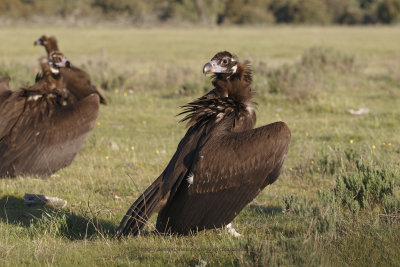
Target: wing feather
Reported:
point(224, 162)
point(228, 172)
point(164, 187)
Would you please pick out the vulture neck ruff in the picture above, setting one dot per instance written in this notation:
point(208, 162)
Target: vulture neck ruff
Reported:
point(232, 97)
point(48, 84)
point(51, 45)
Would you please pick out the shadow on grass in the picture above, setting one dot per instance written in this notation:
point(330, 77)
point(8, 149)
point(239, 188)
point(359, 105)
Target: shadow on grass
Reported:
point(65, 223)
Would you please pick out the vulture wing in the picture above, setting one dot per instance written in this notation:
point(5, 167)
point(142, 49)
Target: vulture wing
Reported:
point(228, 172)
point(40, 136)
point(165, 186)
point(79, 84)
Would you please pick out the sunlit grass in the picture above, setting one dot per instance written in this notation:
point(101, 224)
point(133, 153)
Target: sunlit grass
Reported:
point(146, 71)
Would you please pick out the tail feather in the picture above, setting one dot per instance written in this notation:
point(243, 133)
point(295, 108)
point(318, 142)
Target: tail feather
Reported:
point(101, 94)
point(140, 211)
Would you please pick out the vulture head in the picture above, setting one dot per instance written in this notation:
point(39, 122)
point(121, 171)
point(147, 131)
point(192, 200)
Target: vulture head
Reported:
point(50, 78)
point(223, 64)
point(231, 77)
point(49, 42)
point(57, 60)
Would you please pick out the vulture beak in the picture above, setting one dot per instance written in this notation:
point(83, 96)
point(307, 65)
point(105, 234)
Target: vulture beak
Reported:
point(213, 67)
point(207, 69)
point(38, 42)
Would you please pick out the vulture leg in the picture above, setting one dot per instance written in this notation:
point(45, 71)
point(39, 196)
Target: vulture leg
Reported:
point(232, 230)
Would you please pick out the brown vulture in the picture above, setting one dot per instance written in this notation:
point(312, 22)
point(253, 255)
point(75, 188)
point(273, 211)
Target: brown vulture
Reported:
point(39, 134)
point(220, 165)
point(78, 83)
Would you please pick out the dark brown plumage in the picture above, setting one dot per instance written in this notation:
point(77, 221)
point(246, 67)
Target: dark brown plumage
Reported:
point(38, 133)
point(220, 165)
point(4, 90)
point(77, 81)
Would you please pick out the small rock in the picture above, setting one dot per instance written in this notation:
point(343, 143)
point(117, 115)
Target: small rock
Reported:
point(361, 111)
point(38, 199)
point(113, 145)
point(118, 126)
point(202, 263)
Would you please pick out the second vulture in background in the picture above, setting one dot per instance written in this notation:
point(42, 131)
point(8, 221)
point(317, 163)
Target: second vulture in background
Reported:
point(77, 82)
point(39, 134)
point(220, 165)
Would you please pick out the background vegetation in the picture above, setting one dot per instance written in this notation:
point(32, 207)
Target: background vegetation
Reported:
point(336, 202)
point(150, 12)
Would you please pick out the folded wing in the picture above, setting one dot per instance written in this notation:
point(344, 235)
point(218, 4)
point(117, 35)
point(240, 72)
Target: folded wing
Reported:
point(39, 136)
point(227, 173)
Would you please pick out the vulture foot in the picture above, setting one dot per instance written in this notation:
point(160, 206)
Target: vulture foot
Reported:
point(232, 230)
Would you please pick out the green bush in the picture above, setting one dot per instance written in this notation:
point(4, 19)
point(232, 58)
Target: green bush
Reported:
point(388, 11)
point(303, 80)
point(294, 11)
point(320, 214)
point(367, 187)
point(248, 12)
point(327, 59)
point(201, 11)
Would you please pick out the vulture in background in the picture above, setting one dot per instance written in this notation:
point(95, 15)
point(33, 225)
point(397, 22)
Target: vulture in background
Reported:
point(77, 82)
point(39, 134)
point(220, 165)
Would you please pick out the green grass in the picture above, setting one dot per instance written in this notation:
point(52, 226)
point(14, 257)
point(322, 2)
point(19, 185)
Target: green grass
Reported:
point(296, 221)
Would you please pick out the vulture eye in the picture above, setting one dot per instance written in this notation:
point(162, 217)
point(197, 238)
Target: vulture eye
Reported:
point(225, 61)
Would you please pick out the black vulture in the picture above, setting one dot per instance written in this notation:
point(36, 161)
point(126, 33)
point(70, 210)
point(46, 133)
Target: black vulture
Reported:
point(220, 165)
point(39, 134)
point(77, 81)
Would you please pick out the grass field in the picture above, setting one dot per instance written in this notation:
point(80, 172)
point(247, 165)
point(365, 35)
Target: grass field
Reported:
point(336, 203)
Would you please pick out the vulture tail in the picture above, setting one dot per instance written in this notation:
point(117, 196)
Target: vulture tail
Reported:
point(140, 211)
point(102, 98)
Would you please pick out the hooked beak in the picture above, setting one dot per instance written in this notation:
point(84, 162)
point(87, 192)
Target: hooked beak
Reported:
point(38, 42)
point(213, 67)
point(207, 69)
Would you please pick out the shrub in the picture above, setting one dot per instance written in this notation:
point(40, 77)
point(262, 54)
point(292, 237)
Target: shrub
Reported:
point(366, 188)
point(327, 59)
point(320, 213)
point(311, 11)
point(388, 11)
point(305, 79)
point(248, 12)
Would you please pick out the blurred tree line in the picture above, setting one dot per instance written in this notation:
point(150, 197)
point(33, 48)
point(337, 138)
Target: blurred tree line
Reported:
point(212, 11)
